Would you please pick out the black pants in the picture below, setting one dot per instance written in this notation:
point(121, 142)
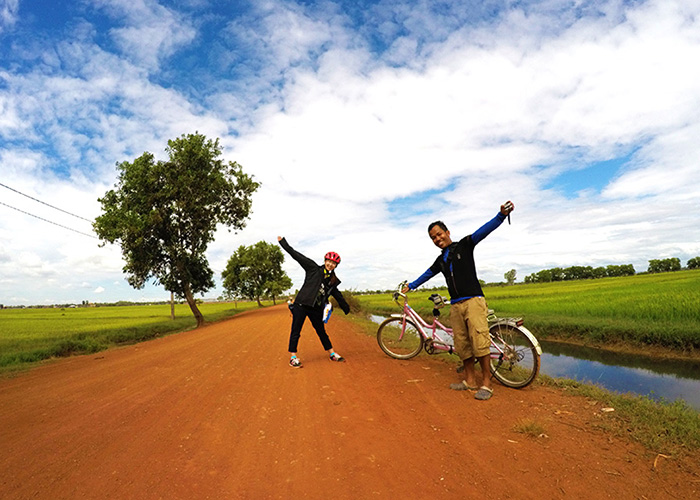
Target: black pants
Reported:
point(315, 315)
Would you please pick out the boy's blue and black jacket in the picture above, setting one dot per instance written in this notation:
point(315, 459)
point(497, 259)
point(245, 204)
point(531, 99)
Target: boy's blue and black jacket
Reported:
point(456, 263)
point(308, 293)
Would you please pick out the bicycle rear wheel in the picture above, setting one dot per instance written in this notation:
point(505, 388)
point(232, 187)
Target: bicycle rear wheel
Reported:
point(515, 361)
point(399, 342)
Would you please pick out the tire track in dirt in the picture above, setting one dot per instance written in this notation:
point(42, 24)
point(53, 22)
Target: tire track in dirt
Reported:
point(217, 413)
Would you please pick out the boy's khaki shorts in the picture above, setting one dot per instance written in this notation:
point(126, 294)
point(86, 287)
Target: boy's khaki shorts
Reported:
point(470, 328)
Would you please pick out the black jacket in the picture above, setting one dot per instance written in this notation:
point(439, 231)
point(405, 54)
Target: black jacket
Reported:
point(459, 270)
point(312, 281)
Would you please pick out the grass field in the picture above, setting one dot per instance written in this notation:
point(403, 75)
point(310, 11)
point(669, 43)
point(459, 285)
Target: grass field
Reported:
point(660, 310)
point(29, 335)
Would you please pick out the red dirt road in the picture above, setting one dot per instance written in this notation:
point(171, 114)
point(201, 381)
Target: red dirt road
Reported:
point(217, 413)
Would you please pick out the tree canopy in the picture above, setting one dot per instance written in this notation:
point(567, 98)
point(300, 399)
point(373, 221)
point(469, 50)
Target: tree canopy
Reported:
point(664, 265)
point(164, 214)
point(255, 272)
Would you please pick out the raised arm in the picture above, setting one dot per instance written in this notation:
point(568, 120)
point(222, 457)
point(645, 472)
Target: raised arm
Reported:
point(487, 228)
point(302, 259)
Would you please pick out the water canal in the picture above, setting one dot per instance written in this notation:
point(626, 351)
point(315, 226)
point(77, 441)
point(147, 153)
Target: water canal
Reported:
point(623, 373)
point(655, 378)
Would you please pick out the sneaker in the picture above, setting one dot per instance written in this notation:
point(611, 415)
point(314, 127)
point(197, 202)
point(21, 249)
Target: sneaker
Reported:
point(337, 357)
point(295, 362)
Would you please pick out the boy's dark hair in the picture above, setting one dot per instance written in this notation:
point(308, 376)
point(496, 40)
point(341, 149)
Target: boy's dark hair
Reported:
point(439, 224)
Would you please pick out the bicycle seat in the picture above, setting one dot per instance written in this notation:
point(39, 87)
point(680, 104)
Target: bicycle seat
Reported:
point(437, 299)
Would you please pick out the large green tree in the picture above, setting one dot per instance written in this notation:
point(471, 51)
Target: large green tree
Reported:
point(165, 213)
point(255, 272)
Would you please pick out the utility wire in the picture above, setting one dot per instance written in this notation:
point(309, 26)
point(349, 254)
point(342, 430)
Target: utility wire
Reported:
point(43, 203)
point(51, 222)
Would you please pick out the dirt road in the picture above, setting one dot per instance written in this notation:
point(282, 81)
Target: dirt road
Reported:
point(217, 413)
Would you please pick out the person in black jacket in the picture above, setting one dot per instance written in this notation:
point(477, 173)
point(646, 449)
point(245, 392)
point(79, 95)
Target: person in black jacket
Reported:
point(320, 283)
point(468, 314)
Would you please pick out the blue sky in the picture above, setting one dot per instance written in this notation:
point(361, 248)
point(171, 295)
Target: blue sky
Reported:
point(364, 121)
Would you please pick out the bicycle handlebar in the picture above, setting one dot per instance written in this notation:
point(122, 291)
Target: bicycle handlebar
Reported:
point(398, 293)
point(437, 299)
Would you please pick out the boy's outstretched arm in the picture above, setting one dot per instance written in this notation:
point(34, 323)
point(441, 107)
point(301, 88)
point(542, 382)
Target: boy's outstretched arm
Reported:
point(429, 273)
point(487, 228)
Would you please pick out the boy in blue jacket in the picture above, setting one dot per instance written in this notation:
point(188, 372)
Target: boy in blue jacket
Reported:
point(468, 313)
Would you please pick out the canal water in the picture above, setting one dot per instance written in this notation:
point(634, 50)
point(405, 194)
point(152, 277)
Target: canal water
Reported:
point(658, 379)
point(666, 380)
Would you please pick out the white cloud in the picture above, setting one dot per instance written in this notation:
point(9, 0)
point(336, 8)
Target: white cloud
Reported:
point(8, 14)
point(483, 111)
point(151, 32)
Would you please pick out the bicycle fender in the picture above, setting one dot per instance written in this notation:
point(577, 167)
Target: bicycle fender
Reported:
point(528, 333)
point(396, 315)
point(534, 340)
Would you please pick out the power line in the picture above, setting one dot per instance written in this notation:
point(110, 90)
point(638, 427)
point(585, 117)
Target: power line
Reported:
point(51, 222)
point(43, 203)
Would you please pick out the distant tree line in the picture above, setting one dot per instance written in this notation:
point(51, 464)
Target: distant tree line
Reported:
point(579, 273)
point(589, 272)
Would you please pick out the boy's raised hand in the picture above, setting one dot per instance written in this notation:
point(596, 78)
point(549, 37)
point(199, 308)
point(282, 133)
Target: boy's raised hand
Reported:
point(507, 207)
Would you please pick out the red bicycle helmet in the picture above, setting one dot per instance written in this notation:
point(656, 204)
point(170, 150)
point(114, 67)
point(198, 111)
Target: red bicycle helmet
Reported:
point(333, 257)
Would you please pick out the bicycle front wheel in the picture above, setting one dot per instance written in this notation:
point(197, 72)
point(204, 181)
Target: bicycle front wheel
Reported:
point(515, 361)
point(398, 339)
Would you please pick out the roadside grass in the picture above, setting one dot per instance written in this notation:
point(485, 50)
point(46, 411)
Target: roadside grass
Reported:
point(530, 428)
point(671, 429)
point(31, 335)
point(655, 310)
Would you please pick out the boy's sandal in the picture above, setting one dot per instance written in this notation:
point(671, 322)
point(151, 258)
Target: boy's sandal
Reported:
point(462, 386)
point(337, 357)
point(295, 363)
point(483, 393)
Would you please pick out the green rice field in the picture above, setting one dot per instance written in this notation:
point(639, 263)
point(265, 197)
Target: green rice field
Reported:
point(32, 334)
point(644, 310)
point(661, 310)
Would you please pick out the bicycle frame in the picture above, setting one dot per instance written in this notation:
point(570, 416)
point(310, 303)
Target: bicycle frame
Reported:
point(422, 325)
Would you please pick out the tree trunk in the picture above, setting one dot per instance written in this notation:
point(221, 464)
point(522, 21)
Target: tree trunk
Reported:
point(259, 303)
point(172, 306)
point(193, 305)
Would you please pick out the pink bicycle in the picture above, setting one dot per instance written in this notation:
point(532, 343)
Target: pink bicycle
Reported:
point(515, 352)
